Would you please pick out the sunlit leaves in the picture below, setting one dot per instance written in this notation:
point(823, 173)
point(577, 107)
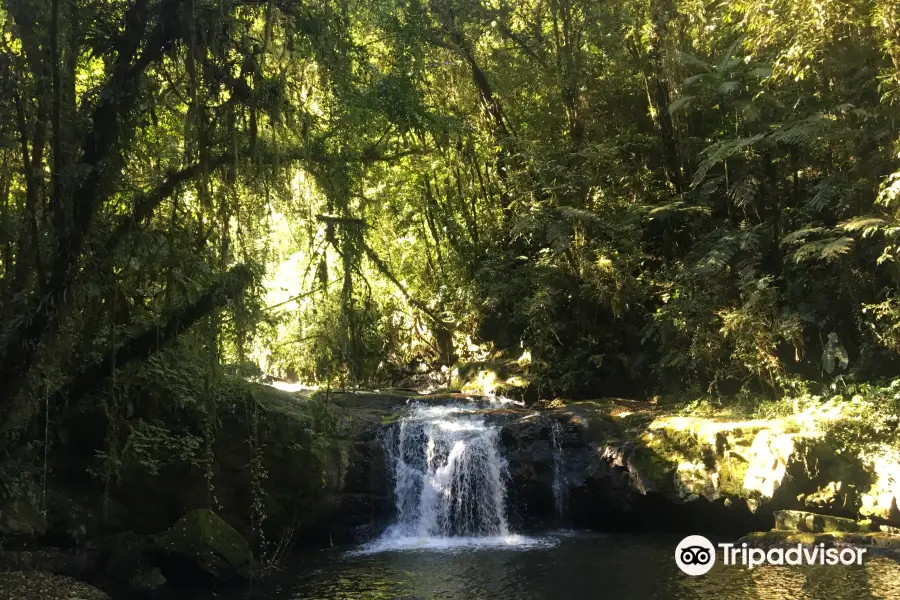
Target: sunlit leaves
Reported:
point(827, 248)
point(866, 226)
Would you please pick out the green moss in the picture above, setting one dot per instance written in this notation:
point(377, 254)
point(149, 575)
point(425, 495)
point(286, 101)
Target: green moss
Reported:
point(732, 470)
point(18, 518)
point(655, 472)
point(215, 547)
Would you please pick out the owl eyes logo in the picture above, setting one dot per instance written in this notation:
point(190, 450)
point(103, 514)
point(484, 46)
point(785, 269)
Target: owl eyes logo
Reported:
point(695, 555)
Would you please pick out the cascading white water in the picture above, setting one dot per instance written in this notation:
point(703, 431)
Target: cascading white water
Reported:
point(449, 474)
point(449, 481)
point(560, 485)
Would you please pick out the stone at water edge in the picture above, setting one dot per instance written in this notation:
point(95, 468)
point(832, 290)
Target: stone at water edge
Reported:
point(201, 545)
point(798, 520)
point(44, 586)
point(146, 581)
point(20, 519)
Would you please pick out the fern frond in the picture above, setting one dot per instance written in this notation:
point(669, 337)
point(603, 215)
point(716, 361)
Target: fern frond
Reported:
point(761, 72)
point(579, 214)
point(751, 111)
point(729, 87)
point(833, 249)
point(744, 192)
point(719, 152)
point(825, 193)
point(728, 60)
point(867, 225)
point(559, 236)
point(689, 82)
point(671, 209)
point(827, 249)
point(805, 132)
point(523, 224)
point(801, 234)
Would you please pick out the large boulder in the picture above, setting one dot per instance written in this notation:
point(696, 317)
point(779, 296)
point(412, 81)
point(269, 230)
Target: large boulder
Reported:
point(18, 584)
point(202, 546)
point(20, 519)
point(879, 499)
point(146, 582)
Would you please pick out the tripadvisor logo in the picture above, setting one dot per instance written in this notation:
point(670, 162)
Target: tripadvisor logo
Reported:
point(696, 555)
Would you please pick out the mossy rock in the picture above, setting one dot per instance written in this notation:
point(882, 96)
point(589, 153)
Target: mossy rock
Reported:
point(881, 496)
point(780, 537)
point(496, 376)
point(44, 586)
point(20, 519)
point(202, 545)
point(798, 520)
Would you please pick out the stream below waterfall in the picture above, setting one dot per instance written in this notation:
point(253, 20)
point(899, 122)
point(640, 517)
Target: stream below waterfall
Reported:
point(452, 540)
point(564, 566)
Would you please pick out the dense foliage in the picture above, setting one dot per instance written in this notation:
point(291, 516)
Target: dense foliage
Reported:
point(645, 196)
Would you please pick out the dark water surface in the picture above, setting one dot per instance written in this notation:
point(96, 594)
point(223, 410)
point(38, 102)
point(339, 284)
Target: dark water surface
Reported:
point(567, 566)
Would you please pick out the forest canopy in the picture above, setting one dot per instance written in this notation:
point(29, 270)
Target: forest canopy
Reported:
point(643, 197)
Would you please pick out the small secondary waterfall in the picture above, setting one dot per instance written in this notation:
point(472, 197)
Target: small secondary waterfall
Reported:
point(560, 485)
point(450, 479)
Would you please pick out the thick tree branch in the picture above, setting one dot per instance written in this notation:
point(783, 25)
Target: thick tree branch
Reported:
point(148, 342)
point(146, 203)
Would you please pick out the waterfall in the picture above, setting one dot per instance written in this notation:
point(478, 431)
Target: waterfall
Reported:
point(450, 477)
point(560, 484)
point(449, 480)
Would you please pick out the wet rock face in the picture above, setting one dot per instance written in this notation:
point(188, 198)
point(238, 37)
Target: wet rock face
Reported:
point(74, 563)
point(203, 547)
point(535, 461)
point(628, 465)
point(613, 484)
point(879, 501)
